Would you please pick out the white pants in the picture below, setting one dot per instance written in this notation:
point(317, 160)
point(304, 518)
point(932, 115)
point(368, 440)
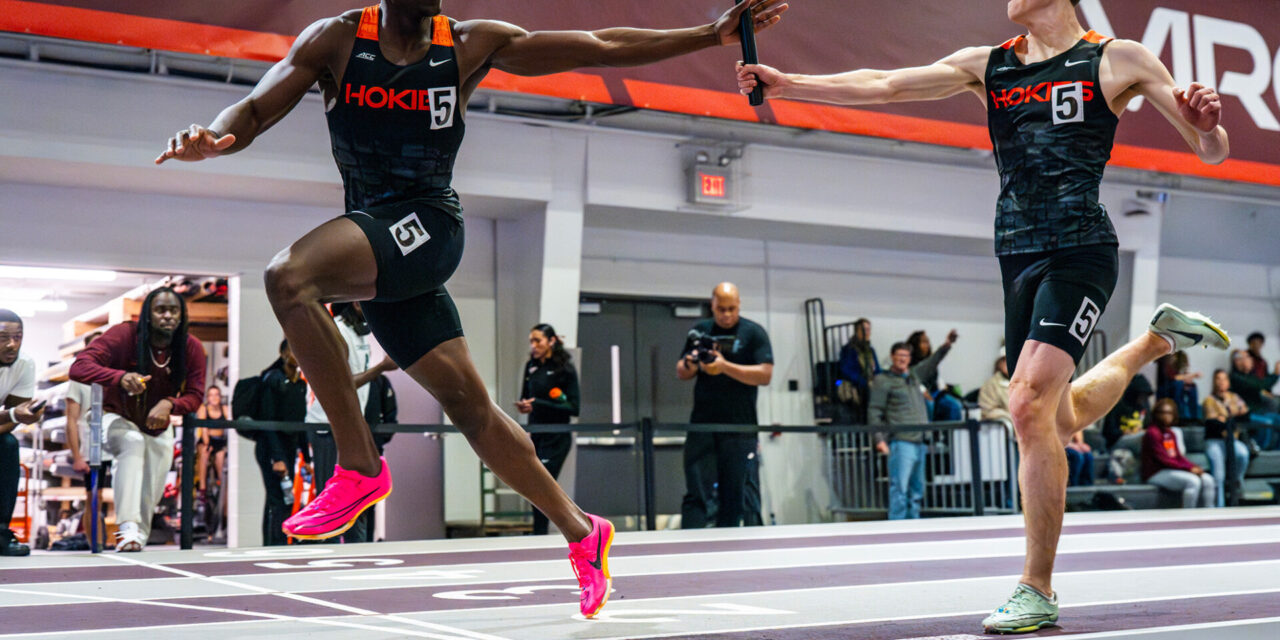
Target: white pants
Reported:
point(141, 465)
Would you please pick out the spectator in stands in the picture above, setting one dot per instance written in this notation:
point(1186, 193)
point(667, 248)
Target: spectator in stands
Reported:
point(1079, 461)
point(858, 365)
point(993, 398)
point(1255, 341)
point(1174, 379)
point(1221, 410)
point(549, 395)
point(212, 443)
point(730, 356)
point(17, 385)
point(78, 405)
point(1164, 465)
point(945, 406)
point(382, 408)
point(1130, 413)
point(898, 398)
point(349, 318)
point(1264, 408)
point(278, 394)
point(150, 370)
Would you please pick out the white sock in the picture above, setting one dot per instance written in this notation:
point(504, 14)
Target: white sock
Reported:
point(1172, 346)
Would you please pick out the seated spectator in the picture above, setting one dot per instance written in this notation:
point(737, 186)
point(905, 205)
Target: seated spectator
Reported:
point(858, 365)
point(150, 370)
point(898, 398)
point(1256, 392)
point(1130, 413)
point(1221, 410)
point(944, 407)
point(993, 398)
point(1079, 462)
point(1164, 465)
point(1256, 340)
point(17, 385)
point(1174, 379)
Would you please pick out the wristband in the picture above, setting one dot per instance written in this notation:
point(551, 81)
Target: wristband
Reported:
point(13, 417)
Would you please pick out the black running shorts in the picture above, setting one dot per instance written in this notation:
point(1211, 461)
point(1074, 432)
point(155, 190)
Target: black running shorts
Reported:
point(417, 248)
point(1056, 297)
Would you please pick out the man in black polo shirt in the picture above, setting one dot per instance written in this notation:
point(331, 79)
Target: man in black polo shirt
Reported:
point(730, 356)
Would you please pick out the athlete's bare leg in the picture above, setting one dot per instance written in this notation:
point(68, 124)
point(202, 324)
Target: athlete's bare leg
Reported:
point(448, 373)
point(1047, 410)
point(333, 263)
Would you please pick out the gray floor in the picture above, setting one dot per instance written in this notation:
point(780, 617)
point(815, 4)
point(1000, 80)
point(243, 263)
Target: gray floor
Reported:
point(1158, 575)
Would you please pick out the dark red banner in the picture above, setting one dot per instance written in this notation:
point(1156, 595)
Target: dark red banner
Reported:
point(1230, 44)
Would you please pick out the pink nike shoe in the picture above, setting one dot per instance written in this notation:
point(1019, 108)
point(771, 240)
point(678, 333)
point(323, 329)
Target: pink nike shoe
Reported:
point(590, 560)
point(346, 495)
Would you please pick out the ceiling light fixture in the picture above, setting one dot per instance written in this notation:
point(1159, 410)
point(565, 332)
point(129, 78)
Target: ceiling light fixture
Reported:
point(14, 272)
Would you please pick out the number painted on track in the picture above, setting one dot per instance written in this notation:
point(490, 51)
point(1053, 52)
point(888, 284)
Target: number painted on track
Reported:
point(511, 593)
point(290, 552)
point(421, 574)
point(331, 563)
point(674, 615)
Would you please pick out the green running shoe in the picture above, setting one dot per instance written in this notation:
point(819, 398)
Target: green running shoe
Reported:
point(1026, 611)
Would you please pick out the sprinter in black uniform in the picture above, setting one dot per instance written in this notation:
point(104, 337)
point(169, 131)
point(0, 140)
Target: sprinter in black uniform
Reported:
point(1053, 98)
point(396, 79)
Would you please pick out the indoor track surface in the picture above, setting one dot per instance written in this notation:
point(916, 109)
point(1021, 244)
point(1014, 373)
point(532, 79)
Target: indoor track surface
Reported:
point(1212, 574)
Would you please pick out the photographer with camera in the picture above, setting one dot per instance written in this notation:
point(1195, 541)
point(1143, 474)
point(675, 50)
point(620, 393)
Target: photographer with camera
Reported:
point(730, 356)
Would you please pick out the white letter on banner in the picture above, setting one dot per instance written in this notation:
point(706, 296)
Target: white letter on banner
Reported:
point(1211, 32)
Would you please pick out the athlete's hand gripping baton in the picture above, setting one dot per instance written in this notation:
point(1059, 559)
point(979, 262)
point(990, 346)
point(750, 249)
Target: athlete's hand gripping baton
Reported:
point(747, 33)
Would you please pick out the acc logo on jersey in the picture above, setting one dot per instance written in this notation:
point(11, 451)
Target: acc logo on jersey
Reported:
point(1086, 320)
point(409, 234)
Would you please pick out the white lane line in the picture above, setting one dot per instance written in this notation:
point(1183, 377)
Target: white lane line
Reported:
point(455, 632)
point(976, 614)
point(252, 614)
point(1216, 626)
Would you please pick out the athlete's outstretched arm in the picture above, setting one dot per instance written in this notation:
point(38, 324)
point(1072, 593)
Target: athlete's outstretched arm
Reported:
point(275, 95)
point(541, 52)
point(958, 72)
point(1194, 112)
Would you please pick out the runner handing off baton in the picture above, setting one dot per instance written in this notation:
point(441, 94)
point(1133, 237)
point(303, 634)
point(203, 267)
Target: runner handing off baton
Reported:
point(749, 55)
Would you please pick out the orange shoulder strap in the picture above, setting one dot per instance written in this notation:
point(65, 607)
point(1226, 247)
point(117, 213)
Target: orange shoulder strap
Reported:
point(368, 24)
point(1095, 37)
point(441, 31)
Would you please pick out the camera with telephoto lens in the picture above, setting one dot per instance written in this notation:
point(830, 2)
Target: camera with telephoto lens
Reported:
point(704, 344)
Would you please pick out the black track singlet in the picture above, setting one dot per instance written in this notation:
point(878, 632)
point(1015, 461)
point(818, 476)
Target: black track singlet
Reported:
point(396, 129)
point(1052, 130)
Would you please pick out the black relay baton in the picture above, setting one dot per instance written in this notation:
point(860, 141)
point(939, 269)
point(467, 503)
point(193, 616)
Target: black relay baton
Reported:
point(747, 33)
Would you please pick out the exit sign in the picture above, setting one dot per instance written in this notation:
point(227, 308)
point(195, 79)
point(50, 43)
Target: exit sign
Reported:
point(710, 185)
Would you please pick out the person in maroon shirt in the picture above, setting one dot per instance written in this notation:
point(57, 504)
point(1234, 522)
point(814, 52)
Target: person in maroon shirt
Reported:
point(1164, 465)
point(149, 370)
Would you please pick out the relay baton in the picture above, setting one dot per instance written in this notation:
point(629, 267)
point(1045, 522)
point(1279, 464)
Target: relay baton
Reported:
point(747, 33)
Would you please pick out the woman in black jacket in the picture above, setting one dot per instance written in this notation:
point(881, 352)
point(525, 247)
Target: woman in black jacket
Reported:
point(549, 395)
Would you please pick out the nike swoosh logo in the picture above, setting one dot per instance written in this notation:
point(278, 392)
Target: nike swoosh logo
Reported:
point(599, 541)
point(1051, 324)
point(1191, 336)
point(436, 63)
point(1072, 63)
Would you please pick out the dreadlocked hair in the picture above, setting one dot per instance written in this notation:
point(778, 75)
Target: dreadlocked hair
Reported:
point(177, 348)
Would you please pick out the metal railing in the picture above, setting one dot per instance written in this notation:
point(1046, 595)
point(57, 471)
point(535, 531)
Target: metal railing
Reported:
point(962, 484)
point(970, 468)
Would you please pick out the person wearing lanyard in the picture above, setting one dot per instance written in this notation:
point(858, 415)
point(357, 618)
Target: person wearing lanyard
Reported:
point(549, 395)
